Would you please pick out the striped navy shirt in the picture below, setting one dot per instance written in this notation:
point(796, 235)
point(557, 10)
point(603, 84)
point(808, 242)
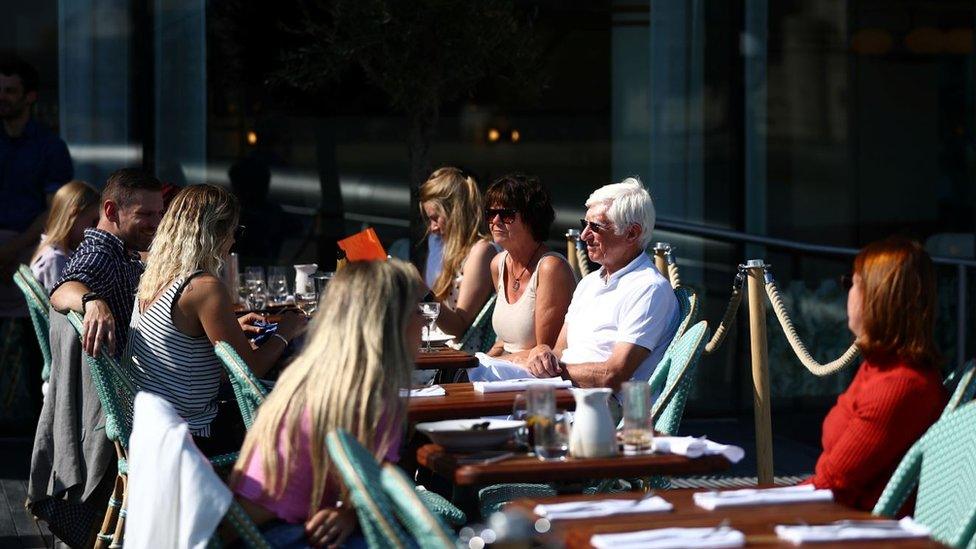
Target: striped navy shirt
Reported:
point(182, 369)
point(104, 265)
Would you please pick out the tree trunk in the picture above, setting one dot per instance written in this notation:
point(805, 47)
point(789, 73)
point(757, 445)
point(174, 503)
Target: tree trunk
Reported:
point(421, 125)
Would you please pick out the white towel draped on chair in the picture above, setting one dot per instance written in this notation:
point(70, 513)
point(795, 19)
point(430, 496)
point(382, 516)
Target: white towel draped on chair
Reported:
point(176, 500)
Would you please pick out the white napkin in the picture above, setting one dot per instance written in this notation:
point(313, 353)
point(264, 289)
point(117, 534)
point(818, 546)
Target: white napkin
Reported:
point(697, 446)
point(601, 508)
point(765, 496)
point(520, 384)
point(436, 336)
point(853, 529)
point(671, 538)
point(430, 391)
point(495, 369)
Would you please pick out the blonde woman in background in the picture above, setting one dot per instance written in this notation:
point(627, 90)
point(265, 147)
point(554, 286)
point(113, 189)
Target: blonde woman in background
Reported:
point(451, 204)
point(74, 208)
point(182, 309)
point(360, 353)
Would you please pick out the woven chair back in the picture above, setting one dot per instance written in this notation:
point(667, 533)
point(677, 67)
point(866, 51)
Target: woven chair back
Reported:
point(942, 464)
point(248, 389)
point(682, 365)
point(362, 477)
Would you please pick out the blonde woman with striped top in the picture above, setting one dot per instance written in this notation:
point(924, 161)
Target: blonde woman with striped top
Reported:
point(182, 309)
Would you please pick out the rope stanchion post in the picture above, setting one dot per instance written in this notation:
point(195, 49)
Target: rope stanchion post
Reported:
point(756, 273)
point(572, 237)
point(661, 251)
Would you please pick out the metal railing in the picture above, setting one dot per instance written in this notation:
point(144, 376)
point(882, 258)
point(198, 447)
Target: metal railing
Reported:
point(726, 235)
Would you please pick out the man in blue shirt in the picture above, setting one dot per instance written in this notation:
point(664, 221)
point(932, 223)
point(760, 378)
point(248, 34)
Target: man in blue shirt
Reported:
point(34, 163)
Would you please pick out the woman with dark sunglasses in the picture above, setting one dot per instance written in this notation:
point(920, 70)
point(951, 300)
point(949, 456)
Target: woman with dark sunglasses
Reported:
point(534, 284)
point(451, 204)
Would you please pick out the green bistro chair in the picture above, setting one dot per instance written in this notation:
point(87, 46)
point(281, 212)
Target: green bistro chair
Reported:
point(942, 464)
point(240, 523)
point(426, 528)
point(688, 310)
point(248, 389)
point(35, 285)
point(480, 336)
point(39, 307)
point(362, 477)
point(682, 359)
point(117, 393)
point(965, 386)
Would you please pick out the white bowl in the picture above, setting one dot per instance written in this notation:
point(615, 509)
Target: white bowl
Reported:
point(456, 434)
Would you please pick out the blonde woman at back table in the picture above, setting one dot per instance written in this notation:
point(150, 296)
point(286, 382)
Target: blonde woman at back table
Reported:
point(360, 353)
point(74, 208)
point(451, 204)
point(534, 284)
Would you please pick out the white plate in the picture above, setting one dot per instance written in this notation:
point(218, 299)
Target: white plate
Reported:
point(457, 434)
point(438, 338)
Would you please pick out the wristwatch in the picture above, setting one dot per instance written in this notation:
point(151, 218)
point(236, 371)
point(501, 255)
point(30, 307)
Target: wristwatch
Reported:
point(90, 296)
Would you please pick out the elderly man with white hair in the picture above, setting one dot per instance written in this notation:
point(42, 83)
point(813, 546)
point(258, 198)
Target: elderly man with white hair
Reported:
point(623, 316)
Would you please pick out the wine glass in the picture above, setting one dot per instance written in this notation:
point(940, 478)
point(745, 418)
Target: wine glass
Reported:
point(306, 298)
point(278, 285)
point(430, 310)
point(552, 435)
point(254, 275)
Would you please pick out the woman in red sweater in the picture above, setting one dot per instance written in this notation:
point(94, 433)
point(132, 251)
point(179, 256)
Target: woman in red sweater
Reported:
point(897, 392)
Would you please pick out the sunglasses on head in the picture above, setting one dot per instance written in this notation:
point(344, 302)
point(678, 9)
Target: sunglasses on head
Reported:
point(507, 215)
point(239, 232)
point(593, 226)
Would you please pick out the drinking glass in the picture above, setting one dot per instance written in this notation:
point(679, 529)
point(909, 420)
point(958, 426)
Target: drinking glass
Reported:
point(258, 297)
point(430, 310)
point(520, 412)
point(638, 432)
point(552, 436)
point(254, 275)
point(306, 298)
point(278, 285)
point(244, 292)
point(322, 279)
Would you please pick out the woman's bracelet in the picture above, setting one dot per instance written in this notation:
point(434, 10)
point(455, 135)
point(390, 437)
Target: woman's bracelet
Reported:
point(281, 337)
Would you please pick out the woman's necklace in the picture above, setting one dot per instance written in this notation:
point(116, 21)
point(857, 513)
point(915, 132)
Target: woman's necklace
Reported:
point(518, 280)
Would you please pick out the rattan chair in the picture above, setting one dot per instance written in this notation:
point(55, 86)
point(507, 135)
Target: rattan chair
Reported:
point(426, 527)
point(117, 393)
point(362, 477)
point(942, 465)
point(39, 307)
point(965, 386)
point(480, 336)
point(248, 389)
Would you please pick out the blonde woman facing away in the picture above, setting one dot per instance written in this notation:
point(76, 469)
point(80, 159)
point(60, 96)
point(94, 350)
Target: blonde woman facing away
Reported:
point(451, 204)
point(182, 308)
point(74, 208)
point(360, 353)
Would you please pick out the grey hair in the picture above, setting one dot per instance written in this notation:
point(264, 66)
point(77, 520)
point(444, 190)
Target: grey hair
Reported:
point(628, 203)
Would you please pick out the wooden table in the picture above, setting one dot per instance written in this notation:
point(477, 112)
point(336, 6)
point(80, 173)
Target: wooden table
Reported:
point(756, 522)
point(461, 401)
point(526, 468)
point(445, 358)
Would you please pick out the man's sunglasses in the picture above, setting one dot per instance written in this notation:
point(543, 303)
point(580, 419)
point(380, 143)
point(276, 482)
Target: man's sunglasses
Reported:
point(507, 215)
point(594, 226)
point(239, 232)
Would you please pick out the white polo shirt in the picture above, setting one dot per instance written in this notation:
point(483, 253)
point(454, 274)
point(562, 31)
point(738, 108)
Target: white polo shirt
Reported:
point(636, 305)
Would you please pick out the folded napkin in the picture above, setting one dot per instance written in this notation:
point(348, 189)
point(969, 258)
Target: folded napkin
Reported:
point(495, 369)
point(436, 336)
point(765, 496)
point(853, 529)
point(601, 508)
point(697, 446)
point(430, 391)
point(520, 384)
point(671, 538)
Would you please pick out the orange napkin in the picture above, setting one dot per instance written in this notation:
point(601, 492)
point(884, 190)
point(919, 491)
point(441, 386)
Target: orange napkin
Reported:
point(363, 246)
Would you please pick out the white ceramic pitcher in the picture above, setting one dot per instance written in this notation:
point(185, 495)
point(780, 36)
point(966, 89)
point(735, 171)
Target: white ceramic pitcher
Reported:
point(303, 275)
point(594, 434)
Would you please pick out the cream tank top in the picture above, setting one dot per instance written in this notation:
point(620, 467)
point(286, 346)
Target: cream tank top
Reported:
point(514, 323)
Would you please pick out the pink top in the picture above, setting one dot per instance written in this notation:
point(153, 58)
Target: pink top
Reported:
point(292, 506)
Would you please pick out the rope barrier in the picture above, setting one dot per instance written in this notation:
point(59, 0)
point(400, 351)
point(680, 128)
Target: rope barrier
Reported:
point(584, 265)
point(718, 337)
point(799, 348)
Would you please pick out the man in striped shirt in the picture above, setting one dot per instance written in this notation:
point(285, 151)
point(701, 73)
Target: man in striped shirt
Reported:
point(101, 277)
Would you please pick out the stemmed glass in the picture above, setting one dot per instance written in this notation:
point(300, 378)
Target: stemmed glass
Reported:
point(306, 298)
point(278, 285)
point(257, 293)
point(430, 310)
